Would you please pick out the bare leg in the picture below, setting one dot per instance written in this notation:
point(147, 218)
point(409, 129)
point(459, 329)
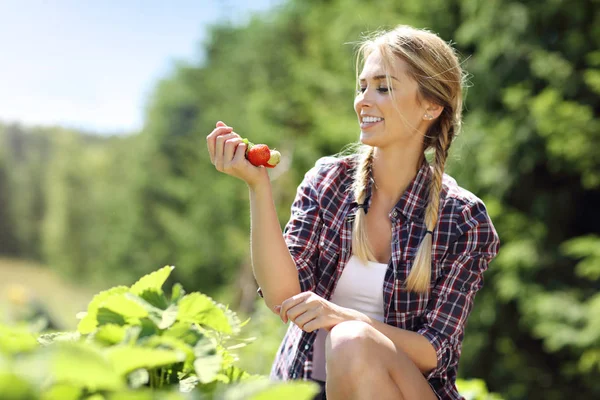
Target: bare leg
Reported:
point(362, 363)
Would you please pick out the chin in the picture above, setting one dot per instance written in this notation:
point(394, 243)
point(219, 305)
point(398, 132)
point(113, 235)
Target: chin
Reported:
point(368, 139)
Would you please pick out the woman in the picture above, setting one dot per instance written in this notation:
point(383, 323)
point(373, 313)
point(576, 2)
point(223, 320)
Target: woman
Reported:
point(384, 253)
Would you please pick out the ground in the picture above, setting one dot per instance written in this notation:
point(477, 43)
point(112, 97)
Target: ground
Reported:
point(27, 284)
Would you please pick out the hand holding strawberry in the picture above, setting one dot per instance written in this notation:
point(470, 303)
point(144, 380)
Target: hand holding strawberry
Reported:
point(232, 155)
point(261, 155)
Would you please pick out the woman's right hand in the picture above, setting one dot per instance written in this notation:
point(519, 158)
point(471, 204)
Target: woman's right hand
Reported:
point(228, 155)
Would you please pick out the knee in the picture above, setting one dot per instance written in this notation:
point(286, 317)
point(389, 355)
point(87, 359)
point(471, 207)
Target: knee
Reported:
point(348, 348)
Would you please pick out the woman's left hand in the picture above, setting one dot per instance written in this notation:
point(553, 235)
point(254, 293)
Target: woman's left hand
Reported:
point(311, 312)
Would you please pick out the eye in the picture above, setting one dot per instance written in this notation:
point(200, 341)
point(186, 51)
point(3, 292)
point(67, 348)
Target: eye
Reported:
point(380, 89)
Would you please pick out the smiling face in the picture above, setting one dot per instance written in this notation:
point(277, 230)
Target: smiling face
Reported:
point(386, 119)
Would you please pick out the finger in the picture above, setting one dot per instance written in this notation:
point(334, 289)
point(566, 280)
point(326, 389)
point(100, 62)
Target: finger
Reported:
point(230, 147)
point(240, 156)
point(305, 317)
point(211, 140)
point(298, 310)
point(221, 123)
point(314, 324)
point(291, 302)
point(219, 149)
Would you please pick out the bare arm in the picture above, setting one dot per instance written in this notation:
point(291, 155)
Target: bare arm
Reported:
point(416, 347)
point(272, 263)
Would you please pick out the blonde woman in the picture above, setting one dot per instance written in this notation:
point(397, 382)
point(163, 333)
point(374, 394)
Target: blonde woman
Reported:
point(380, 262)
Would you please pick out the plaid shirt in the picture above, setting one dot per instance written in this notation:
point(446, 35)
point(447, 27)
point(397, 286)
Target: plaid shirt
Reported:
point(319, 237)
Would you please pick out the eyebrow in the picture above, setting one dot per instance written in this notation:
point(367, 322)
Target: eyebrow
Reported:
point(378, 78)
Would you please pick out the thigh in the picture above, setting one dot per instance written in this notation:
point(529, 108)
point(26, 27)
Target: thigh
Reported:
point(402, 370)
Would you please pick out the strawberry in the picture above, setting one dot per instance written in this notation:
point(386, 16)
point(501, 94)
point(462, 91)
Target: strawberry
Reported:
point(261, 155)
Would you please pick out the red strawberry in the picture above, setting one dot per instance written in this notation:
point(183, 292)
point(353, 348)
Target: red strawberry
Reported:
point(259, 154)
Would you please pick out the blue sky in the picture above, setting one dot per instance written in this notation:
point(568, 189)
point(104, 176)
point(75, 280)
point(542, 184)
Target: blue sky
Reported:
point(91, 65)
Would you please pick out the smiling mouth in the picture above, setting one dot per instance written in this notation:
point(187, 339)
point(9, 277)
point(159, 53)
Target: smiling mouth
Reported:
point(368, 122)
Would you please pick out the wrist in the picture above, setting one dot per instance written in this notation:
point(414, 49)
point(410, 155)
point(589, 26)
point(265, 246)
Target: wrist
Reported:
point(261, 182)
point(353, 315)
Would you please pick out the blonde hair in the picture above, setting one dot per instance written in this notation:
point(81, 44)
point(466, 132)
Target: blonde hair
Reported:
point(434, 65)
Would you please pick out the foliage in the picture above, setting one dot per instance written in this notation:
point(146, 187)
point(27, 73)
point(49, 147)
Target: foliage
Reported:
point(135, 342)
point(89, 206)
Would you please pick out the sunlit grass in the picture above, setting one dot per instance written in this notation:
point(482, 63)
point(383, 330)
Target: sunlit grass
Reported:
point(25, 284)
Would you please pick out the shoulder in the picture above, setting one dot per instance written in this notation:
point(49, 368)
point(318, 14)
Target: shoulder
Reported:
point(331, 173)
point(464, 208)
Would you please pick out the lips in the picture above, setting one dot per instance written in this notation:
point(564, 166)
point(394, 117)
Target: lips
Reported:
point(367, 121)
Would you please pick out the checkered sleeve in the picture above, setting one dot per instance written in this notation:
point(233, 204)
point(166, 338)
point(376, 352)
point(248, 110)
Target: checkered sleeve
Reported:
point(301, 233)
point(452, 297)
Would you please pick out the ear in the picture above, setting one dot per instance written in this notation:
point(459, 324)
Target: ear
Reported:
point(432, 111)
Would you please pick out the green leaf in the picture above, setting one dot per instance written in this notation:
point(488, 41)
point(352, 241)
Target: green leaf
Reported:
point(177, 293)
point(126, 306)
point(157, 299)
point(89, 322)
point(14, 387)
point(16, 340)
point(62, 392)
point(173, 343)
point(128, 359)
point(147, 394)
point(106, 316)
point(110, 334)
point(77, 364)
point(208, 362)
point(201, 309)
point(169, 316)
point(587, 248)
point(235, 374)
point(185, 332)
point(288, 390)
point(153, 281)
point(263, 389)
point(95, 396)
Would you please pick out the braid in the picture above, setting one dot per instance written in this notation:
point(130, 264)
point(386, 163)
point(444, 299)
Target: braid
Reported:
point(420, 274)
point(360, 242)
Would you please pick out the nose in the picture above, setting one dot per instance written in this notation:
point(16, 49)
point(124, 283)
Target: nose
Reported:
point(363, 100)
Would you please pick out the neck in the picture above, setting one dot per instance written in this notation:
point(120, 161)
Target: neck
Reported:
point(394, 171)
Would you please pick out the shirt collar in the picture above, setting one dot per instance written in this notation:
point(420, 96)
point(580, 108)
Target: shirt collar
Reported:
point(413, 202)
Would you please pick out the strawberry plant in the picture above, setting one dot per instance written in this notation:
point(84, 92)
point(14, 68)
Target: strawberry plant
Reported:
point(137, 343)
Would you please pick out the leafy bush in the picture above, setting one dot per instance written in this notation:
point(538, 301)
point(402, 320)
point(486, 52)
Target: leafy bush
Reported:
point(137, 343)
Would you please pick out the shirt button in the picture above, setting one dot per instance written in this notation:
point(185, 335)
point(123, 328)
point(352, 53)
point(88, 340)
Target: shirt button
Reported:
point(394, 213)
point(306, 347)
point(294, 375)
point(322, 244)
point(463, 289)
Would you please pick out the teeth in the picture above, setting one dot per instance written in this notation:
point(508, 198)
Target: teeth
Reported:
point(372, 119)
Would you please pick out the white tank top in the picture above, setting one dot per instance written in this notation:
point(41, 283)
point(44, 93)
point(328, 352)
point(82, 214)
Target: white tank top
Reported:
point(360, 288)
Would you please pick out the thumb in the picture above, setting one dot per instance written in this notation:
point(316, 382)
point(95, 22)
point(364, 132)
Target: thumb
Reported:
point(221, 123)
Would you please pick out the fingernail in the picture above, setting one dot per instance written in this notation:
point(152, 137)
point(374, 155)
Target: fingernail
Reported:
point(277, 308)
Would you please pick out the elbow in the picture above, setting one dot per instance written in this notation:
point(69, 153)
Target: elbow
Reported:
point(276, 299)
point(271, 304)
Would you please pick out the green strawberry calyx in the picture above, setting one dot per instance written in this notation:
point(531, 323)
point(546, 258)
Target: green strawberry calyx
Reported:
point(249, 145)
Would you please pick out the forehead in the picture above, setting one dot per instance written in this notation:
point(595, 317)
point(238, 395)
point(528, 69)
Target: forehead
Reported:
point(374, 66)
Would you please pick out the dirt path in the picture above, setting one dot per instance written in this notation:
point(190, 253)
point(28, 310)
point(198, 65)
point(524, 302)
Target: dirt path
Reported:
point(61, 298)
